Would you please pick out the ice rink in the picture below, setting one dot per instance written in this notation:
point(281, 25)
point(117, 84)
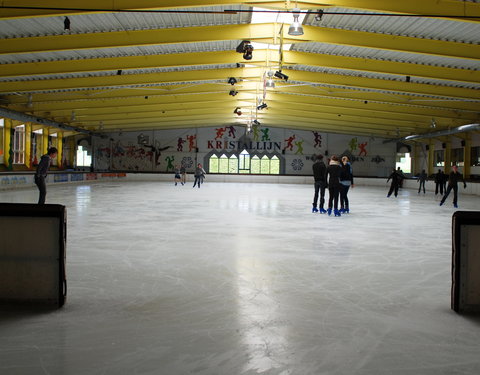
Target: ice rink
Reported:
point(243, 279)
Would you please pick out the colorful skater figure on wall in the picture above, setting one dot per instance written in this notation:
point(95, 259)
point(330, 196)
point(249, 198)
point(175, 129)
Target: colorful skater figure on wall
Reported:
point(318, 139)
point(265, 136)
point(180, 143)
point(453, 179)
point(191, 142)
point(170, 160)
point(256, 135)
point(220, 133)
point(231, 131)
point(363, 148)
point(299, 145)
point(289, 141)
point(353, 144)
point(157, 151)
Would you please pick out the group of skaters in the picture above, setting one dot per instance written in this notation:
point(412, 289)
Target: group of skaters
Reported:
point(443, 183)
point(337, 177)
point(181, 175)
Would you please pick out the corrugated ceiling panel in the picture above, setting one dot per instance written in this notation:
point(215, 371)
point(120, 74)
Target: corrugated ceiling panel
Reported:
point(378, 54)
point(105, 22)
point(419, 27)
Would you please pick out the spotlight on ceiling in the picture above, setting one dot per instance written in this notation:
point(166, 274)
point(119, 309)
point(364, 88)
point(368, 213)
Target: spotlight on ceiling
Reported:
point(66, 24)
point(262, 106)
point(255, 122)
point(232, 81)
point(237, 111)
point(233, 93)
point(269, 81)
point(246, 48)
point(295, 28)
point(319, 15)
point(280, 75)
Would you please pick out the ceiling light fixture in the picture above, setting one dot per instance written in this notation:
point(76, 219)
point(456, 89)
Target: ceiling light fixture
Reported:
point(262, 106)
point(233, 93)
point(319, 15)
point(232, 80)
point(280, 75)
point(295, 28)
point(66, 24)
point(246, 48)
point(269, 81)
point(255, 122)
point(237, 111)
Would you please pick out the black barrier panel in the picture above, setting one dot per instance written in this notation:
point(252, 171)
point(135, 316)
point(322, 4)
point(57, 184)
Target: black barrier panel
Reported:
point(465, 294)
point(32, 253)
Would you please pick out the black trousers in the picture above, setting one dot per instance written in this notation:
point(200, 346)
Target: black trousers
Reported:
point(439, 185)
point(42, 187)
point(455, 193)
point(422, 183)
point(333, 192)
point(319, 188)
point(344, 196)
point(393, 186)
point(198, 180)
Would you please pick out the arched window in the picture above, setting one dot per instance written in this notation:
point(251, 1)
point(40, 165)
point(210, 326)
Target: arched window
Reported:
point(223, 164)
point(233, 164)
point(265, 165)
point(275, 165)
point(244, 162)
point(213, 164)
point(255, 165)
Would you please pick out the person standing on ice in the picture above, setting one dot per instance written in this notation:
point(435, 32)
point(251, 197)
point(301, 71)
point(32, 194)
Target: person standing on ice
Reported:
point(333, 177)
point(320, 177)
point(396, 180)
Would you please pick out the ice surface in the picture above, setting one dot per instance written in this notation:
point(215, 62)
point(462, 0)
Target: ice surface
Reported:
point(244, 279)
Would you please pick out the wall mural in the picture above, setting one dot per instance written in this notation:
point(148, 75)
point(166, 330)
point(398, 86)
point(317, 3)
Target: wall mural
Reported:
point(162, 150)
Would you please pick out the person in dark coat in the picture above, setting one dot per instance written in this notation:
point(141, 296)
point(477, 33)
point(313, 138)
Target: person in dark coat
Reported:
point(199, 175)
point(346, 180)
point(320, 177)
point(453, 179)
point(41, 173)
point(333, 177)
point(439, 182)
point(421, 179)
point(396, 179)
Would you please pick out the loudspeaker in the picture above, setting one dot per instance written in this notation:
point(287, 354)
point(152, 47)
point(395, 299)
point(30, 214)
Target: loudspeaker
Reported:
point(32, 253)
point(326, 152)
point(462, 143)
point(427, 147)
point(444, 145)
point(465, 294)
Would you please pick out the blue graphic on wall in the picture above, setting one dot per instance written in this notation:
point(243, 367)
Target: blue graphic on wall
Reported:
point(62, 177)
point(297, 164)
point(76, 177)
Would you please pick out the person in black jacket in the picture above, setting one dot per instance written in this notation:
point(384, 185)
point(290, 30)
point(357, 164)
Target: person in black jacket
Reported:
point(41, 173)
point(421, 179)
point(439, 182)
point(453, 180)
point(346, 180)
point(333, 177)
point(396, 179)
point(320, 177)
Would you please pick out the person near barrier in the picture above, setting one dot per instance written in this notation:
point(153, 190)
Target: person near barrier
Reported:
point(439, 182)
point(319, 175)
point(453, 179)
point(421, 179)
point(346, 180)
point(41, 173)
point(199, 175)
point(396, 179)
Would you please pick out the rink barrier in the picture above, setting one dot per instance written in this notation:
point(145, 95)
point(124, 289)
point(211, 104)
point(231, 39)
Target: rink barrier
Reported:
point(10, 181)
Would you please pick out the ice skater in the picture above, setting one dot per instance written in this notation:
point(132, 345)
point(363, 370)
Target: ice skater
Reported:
point(396, 180)
point(421, 179)
point(178, 177)
point(183, 174)
point(320, 177)
point(453, 179)
point(346, 180)
point(41, 173)
point(334, 171)
point(439, 182)
point(199, 175)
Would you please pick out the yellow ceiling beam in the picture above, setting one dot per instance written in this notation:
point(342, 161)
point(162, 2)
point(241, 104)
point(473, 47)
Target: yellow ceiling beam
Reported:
point(262, 32)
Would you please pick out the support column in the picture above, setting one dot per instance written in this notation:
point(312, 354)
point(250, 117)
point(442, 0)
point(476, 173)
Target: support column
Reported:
point(448, 156)
point(28, 145)
point(431, 155)
point(45, 141)
point(73, 151)
point(8, 152)
point(60, 150)
point(467, 155)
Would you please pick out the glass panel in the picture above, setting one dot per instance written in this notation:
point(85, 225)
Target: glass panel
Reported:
point(475, 156)
point(265, 165)
point(18, 146)
point(439, 158)
point(213, 164)
point(255, 165)
point(1, 141)
point(233, 164)
point(83, 159)
point(275, 165)
point(223, 165)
